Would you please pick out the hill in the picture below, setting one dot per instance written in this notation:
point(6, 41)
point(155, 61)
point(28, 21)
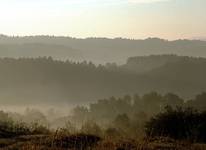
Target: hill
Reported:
point(45, 80)
point(97, 50)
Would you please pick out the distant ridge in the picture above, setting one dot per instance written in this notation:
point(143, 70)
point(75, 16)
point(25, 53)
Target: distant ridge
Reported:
point(102, 38)
point(97, 50)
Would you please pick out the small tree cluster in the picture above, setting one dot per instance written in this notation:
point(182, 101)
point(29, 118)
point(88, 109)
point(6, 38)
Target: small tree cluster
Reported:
point(179, 123)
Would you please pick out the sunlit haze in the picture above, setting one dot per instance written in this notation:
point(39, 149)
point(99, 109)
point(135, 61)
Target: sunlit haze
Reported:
point(169, 19)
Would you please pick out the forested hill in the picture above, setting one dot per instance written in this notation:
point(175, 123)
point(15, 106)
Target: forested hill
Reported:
point(44, 80)
point(97, 50)
point(140, 64)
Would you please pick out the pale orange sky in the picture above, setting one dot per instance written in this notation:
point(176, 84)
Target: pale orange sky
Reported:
point(169, 19)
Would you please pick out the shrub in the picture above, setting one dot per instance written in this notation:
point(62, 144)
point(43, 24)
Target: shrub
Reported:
point(37, 128)
point(179, 123)
point(112, 133)
point(91, 127)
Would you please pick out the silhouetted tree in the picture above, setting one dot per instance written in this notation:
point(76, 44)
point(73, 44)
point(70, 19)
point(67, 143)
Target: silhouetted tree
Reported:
point(179, 123)
point(173, 100)
point(153, 102)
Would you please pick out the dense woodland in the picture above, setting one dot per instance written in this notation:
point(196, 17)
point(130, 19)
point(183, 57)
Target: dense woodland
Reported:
point(43, 79)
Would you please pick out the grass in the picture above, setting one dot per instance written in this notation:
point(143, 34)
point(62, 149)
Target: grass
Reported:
point(19, 136)
point(61, 141)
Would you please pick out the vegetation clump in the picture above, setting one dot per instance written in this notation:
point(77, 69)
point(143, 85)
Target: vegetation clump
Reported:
point(180, 123)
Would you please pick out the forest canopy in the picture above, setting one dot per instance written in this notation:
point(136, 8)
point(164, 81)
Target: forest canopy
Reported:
point(44, 79)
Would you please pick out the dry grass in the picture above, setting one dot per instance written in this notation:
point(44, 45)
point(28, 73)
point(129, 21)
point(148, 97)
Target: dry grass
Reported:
point(61, 141)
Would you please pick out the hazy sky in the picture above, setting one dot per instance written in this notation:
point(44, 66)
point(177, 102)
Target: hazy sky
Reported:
point(169, 19)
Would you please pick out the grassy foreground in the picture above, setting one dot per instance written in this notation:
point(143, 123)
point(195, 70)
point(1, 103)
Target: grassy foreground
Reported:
point(185, 125)
point(62, 141)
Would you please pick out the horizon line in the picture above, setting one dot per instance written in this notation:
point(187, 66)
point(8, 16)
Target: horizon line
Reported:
point(100, 37)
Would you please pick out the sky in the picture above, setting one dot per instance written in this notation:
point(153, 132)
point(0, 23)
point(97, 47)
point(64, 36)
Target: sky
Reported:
point(136, 19)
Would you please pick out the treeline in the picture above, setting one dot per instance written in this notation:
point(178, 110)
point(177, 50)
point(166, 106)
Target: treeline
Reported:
point(142, 64)
point(128, 116)
point(147, 105)
point(43, 80)
point(152, 114)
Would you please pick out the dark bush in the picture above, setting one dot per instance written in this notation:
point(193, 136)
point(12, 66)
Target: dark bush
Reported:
point(179, 123)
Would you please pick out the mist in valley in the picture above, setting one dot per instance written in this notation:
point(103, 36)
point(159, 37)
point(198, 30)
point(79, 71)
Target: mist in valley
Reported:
point(103, 75)
point(42, 73)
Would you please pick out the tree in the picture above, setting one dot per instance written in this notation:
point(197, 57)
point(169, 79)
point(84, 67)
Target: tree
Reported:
point(137, 104)
point(199, 102)
point(153, 102)
point(122, 122)
point(176, 123)
point(173, 100)
point(80, 114)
